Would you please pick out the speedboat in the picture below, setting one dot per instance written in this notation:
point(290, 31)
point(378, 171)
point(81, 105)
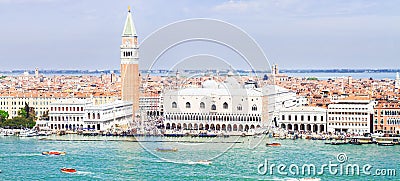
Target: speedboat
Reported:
point(167, 149)
point(202, 162)
point(68, 170)
point(43, 133)
point(273, 144)
point(385, 144)
point(54, 153)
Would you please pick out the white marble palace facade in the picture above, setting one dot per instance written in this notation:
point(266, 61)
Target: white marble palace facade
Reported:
point(225, 106)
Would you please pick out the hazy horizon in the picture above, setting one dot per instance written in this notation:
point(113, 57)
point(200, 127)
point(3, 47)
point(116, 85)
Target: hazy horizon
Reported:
point(295, 34)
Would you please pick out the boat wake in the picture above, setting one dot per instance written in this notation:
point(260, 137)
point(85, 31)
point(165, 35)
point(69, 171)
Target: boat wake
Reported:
point(83, 173)
point(21, 155)
point(200, 162)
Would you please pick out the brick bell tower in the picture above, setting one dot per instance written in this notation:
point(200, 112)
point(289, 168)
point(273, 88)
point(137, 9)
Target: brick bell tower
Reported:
point(130, 63)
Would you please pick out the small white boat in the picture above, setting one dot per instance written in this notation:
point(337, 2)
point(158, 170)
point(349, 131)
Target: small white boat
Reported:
point(28, 133)
point(201, 162)
point(6, 133)
point(43, 133)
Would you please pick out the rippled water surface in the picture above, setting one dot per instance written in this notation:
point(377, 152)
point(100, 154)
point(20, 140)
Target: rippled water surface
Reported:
point(122, 159)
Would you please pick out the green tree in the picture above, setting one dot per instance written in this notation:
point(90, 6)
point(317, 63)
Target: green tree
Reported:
point(19, 122)
point(312, 78)
point(3, 114)
point(22, 113)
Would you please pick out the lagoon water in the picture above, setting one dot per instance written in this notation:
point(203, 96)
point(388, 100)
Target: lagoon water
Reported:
point(121, 159)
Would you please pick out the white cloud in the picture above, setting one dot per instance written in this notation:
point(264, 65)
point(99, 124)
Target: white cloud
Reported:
point(304, 8)
point(25, 1)
point(237, 6)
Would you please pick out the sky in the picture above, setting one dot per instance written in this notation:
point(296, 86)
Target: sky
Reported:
point(296, 34)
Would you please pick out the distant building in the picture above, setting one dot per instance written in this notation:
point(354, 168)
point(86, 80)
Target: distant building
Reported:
point(387, 117)
point(351, 115)
point(36, 72)
point(129, 48)
point(14, 102)
point(303, 118)
point(78, 114)
point(276, 76)
point(67, 114)
point(110, 116)
point(40, 102)
point(397, 83)
point(113, 77)
point(151, 104)
point(280, 98)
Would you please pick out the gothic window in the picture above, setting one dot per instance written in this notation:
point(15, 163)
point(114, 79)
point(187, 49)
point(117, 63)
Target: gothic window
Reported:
point(202, 105)
point(213, 107)
point(225, 105)
point(239, 107)
point(174, 105)
point(187, 104)
point(254, 108)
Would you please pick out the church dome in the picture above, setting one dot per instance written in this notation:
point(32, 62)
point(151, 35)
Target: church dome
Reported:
point(211, 84)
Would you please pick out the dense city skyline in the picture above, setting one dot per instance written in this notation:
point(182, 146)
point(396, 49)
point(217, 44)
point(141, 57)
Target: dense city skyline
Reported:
point(58, 34)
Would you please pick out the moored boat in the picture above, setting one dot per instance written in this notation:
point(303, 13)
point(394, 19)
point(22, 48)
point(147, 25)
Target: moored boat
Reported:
point(337, 142)
point(174, 134)
point(358, 140)
point(385, 144)
point(68, 170)
point(387, 141)
point(27, 133)
point(54, 153)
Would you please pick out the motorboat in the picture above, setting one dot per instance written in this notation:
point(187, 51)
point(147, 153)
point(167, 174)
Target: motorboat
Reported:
point(28, 133)
point(385, 144)
point(358, 140)
point(387, 141)
point(202, 162)
point(54, 153)
point(337, 142)
point(167, 149)
point(68, 170)
point(43, 133)
point(273, 144)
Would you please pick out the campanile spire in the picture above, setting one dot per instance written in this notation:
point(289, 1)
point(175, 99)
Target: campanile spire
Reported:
point(129, 50)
